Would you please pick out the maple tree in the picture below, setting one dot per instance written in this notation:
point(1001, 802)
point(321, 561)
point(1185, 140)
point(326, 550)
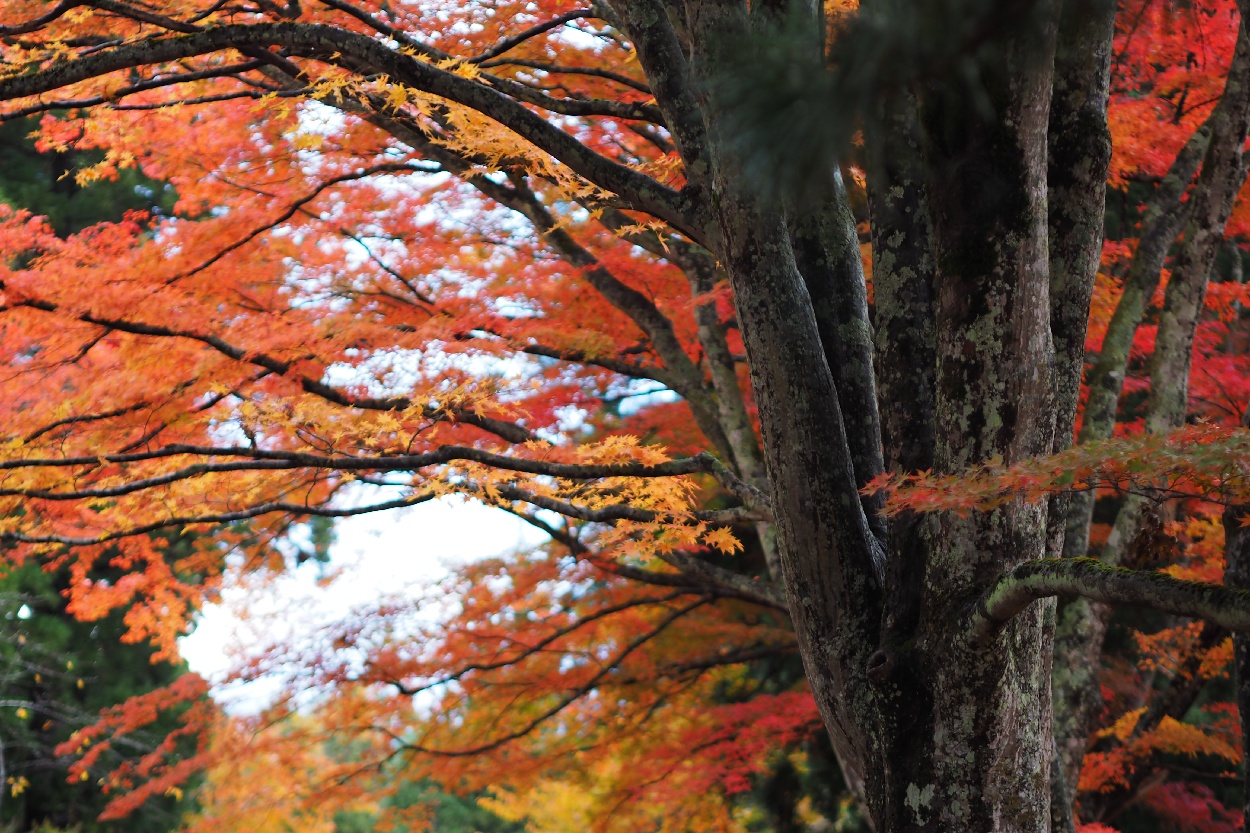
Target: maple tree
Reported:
point(58, 672)
point(576, 262)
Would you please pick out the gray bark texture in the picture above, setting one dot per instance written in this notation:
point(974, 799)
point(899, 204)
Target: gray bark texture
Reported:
point(1237, 574)
point(1218, 143)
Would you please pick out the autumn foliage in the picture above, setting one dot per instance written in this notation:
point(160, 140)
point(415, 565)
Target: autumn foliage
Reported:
point(373, 294)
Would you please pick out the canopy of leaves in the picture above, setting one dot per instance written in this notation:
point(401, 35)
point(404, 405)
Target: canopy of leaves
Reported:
point(436, 248)
point(60, 671)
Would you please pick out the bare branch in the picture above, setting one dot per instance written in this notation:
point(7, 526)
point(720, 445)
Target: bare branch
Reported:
point(504, 660)
point(179, 521)
point(726, 582)
point(621, 512)
point(140, 15)
point(573, 696)
point(625, 368)
point(505, 430)
point(533, 31)
point(635, 110)
point(263, 458)
point(1089, 577)
point(142, 86)
point(295, 207)
point(39, 22)
point(116, 412)
point(556, 69)
point(649, 27)
point(398, 35)
point(695, 574)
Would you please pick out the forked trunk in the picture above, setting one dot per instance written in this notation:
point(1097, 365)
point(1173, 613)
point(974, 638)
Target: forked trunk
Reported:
point(936, 728)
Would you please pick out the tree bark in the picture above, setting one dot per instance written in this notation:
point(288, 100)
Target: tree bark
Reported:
point(1083, 621)
point(1079, 146)
point(995, 395)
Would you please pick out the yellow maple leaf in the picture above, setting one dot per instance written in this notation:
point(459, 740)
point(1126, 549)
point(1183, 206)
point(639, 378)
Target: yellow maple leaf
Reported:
point(1124, 726)
point(723, 540)
point(396, 96)
point(18, 786)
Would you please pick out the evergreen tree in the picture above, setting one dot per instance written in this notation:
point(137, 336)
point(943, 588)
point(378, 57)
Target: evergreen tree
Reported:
point(45, 183)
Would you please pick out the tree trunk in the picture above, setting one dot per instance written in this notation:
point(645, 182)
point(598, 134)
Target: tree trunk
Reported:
point(936, 729)
point(994, 395)
point(1237, 574)
point(1083, 623)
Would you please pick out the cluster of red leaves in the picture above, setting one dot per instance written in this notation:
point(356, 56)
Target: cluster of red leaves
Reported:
point(1188, 807)
point(164, 767)
point(1203, 461)
point(1170, 63)
point(739, 741)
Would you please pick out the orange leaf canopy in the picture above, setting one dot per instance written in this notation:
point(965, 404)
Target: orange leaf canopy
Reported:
point(370, 296)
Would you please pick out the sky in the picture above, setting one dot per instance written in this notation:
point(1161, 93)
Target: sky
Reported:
point(373, 555)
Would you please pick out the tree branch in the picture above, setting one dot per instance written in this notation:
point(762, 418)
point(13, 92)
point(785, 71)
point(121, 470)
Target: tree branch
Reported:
point(718, 580)
point(37, 23)
point(648, 25)
point(700, 463)
point(115, 412)
point(624, 368)
point(608, 667)
point(295, 207)
point(684, 376)
point(556, 69)
point(511, 432)
point(635, 110)
point(624, 512)
point(696, 575)
point(398, 35)
point(179, 521)
point(1090, 578)
point(504, 659)
point(356, 50)
point(228, 71)
point(826, 251)
point(532, 32)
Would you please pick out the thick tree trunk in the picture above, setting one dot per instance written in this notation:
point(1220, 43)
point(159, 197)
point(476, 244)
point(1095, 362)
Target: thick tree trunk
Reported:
point(994, 395)
point(1079, 147)
point(938, 729)
point(906, 357)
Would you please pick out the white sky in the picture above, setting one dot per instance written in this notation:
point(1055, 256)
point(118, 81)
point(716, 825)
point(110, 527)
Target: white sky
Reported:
point(376, 555)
